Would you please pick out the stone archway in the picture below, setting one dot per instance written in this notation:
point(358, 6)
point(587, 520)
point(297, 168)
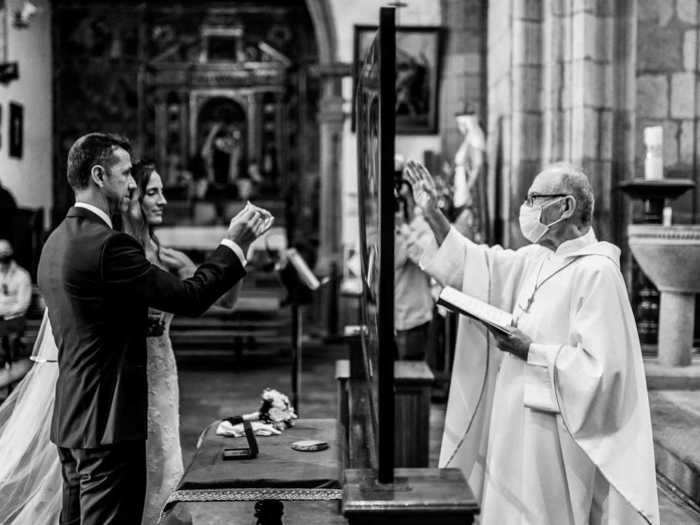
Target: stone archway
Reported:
point(324, 28)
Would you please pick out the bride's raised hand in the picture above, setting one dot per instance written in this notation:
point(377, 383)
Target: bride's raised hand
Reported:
point(177, 261)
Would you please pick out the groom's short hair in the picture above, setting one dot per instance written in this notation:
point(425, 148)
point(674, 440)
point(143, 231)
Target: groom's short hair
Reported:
point(91, 149)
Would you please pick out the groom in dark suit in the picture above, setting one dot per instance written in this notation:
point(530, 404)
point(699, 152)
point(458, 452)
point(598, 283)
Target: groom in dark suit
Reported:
point(98, 286)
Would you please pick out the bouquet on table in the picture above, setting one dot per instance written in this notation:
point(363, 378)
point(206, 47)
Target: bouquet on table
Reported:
point(274, 415)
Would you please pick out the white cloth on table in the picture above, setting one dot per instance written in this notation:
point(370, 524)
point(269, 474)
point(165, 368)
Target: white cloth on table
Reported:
point(227, 429)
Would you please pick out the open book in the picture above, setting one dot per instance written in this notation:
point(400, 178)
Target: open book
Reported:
point(464, 304)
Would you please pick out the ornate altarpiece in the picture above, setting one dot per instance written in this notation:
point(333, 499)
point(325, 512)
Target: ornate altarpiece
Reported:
point(230, 80)
point(161, 72)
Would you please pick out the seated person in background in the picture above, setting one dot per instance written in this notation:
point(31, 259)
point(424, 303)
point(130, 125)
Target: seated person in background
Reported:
point(413, 302)
point(15, 296)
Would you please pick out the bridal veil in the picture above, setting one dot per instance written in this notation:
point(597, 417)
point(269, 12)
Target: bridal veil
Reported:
point(30, 471)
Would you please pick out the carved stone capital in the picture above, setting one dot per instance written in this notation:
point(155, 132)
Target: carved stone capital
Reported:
point(333, 70)
point(331, 110)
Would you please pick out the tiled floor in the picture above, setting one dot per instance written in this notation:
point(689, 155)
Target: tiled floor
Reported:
point(212, 389)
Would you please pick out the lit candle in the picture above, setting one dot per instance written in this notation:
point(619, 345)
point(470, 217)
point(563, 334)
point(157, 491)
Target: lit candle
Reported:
point(654, 162)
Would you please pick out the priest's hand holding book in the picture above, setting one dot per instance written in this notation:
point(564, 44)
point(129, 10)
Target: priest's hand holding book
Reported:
point(515, 341)
point(500, 323)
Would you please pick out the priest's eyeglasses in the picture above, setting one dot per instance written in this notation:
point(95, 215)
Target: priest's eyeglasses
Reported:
point(530, 200)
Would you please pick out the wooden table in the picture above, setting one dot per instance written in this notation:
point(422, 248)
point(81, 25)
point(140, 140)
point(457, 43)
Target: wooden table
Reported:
point(305, 485)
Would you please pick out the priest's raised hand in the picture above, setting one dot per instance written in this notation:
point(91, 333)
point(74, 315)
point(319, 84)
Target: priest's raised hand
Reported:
point(567, 382)
point(422, 184)
point(425, 196)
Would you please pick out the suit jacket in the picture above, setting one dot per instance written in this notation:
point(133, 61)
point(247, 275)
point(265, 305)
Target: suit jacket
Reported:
point(98, 285)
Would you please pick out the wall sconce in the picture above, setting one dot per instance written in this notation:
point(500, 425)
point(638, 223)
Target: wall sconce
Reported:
point(24, 15)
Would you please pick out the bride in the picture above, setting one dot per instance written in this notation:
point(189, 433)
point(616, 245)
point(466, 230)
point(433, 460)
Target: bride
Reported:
point(30, 471)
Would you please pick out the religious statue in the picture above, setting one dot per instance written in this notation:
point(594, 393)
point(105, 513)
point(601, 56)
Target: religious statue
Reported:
point(222, 153)
point(468, 200)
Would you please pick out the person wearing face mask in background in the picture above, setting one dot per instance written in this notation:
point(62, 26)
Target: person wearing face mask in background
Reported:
point(555, 428)
point(15, 296)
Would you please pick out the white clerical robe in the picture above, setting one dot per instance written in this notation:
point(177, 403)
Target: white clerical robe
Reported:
point(564, 437)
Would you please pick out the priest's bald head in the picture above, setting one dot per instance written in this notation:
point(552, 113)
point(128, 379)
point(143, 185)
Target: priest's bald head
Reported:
point(558, 207)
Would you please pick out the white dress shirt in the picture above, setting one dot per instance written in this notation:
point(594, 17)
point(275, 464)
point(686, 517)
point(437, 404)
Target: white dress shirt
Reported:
point(102, 215)
point(94, 209)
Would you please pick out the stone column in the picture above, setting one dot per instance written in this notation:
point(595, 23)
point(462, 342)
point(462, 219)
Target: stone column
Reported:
point(330, 119)
point(500, 102)
point(254, 121)
point(676, 323)
point(184, 126)
point(515, 33)
point(463, 71)
point(161, 128)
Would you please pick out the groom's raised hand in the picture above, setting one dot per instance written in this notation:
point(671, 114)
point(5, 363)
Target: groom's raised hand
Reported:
point(249, 224)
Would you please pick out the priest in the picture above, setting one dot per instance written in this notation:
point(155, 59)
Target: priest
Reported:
point(550, 423)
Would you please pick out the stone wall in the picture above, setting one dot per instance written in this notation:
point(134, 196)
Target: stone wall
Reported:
point(668, 89)
point(500, 113)
point(559, 89)
point(463, 66)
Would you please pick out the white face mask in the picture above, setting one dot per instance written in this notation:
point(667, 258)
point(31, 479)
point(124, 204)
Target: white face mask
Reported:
point(533, 230)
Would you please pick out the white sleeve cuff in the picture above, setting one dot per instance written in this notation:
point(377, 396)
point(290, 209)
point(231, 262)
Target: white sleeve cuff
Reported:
point(539, 386)
point(446, 265)
point(236, 249)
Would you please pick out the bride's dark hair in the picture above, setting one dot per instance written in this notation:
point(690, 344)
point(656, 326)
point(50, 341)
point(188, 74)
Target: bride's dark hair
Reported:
point(133, 220)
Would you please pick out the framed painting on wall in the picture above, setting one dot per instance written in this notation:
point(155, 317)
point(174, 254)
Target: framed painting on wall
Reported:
point(16, 131)
point(418, 54)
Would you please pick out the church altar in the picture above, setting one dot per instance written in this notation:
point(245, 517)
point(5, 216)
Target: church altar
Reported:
point(204, 238)
point(304, 486)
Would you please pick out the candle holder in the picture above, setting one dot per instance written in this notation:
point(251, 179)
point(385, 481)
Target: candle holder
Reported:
point(654, 194)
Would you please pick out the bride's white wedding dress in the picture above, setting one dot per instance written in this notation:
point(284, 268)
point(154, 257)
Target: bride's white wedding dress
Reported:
point(163, 452)
point(30, 472)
